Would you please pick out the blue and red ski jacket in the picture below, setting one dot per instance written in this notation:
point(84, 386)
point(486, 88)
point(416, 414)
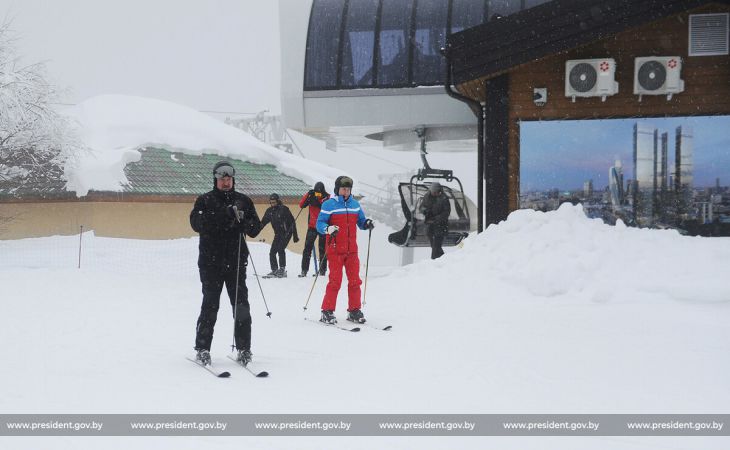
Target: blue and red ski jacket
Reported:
point(346, 214)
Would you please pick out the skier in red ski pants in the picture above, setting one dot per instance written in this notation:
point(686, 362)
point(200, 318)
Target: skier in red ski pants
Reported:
point(339, 219)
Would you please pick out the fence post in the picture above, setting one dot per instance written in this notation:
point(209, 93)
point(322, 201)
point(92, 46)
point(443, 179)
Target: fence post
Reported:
point(81, 232)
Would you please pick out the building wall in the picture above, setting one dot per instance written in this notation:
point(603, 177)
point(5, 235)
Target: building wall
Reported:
point(133, 220)
point(707, 90)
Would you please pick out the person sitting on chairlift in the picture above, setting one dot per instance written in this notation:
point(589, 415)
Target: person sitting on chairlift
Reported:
point(436, 210)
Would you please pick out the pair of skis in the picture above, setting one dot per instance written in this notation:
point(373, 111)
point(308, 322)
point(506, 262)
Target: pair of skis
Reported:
point(353, 329)
point(225, 374)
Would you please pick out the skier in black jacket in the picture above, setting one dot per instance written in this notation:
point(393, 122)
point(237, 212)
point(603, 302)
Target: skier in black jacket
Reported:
point(282, 221)
point(221, 216)
point(436, 209)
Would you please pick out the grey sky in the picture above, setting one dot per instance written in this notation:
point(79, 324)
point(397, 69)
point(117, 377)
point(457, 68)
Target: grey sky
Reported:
point(208, 54)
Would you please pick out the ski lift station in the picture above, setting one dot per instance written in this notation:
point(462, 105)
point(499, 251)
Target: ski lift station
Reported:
point(372, 72)
point(461, 75)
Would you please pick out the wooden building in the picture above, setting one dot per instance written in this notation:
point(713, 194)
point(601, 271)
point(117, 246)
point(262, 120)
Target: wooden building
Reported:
point(154, 204)
point(501, 68)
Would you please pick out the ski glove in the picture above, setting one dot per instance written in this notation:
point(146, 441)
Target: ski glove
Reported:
point(332, 230)
point(369, 225)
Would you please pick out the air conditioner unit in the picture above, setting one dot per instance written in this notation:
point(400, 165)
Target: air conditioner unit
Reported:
point(590, 78)
point(658, 75)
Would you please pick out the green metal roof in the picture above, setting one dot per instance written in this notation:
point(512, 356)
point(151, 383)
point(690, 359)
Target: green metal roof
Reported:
point(162, 172)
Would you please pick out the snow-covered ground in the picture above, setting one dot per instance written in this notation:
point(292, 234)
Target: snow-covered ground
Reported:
point(544, 313)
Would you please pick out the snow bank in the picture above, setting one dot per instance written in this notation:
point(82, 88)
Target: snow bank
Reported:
point(565, 253)
point(113, 127)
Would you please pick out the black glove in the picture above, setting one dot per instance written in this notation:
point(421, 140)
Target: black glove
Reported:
point(230, 211)
point(296, 239)
point(369, 224)
point(311, 192)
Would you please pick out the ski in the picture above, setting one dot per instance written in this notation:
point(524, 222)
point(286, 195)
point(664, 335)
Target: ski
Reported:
point(332, 325)
point(209, 369)
point(374, 327)
point(377, 327)
point(262, 374)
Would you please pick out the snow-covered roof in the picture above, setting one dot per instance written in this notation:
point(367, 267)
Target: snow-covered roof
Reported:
point(113, 128)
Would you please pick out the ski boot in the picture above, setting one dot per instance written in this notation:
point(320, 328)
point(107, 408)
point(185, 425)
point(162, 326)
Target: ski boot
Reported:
point(356, 316)
point(302, 275)
point(272, 274)
point(281, 272)
point(244, 356)
point(203, 357)
point(328, 317)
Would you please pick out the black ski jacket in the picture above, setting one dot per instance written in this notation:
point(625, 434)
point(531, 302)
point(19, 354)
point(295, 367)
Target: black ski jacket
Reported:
point(282, 221)
point(219, 230)
point(436, 209)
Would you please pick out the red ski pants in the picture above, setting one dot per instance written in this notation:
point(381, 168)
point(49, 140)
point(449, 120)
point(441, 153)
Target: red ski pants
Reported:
point(351, 264)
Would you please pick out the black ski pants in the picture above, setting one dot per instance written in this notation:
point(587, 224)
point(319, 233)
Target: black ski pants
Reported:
point(213, 279)
point(437, 241)
point(277, 248)
point(307, 253)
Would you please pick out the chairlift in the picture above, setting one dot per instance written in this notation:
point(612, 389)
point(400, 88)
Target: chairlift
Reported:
point(414, 233)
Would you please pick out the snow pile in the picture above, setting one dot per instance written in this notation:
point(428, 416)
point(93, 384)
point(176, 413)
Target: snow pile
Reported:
point(113, 127)
point(564, 253)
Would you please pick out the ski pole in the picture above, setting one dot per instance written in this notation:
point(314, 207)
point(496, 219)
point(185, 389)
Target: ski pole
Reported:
point(245, 243)
point(268, 313)
point(314, 255)
point(322, 258)
point(367, 263)
point(235, 302)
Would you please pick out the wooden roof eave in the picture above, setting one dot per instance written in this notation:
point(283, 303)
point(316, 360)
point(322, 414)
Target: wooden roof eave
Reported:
point(473, 60)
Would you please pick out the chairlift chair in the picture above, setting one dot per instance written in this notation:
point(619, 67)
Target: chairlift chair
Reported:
point(414, 233)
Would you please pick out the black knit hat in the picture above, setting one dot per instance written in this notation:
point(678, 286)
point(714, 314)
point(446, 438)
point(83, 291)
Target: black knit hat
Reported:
point(275, 197)
point(342, 181)
point(319, 187)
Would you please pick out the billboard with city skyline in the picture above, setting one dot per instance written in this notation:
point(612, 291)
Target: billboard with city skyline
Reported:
point(659, 172)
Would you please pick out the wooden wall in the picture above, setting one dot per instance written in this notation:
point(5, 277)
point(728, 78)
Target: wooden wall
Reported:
point(707, 83)
point(707, 78)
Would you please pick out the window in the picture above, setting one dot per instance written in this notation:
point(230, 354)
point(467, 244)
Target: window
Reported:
point(359, 44)
point(389, 43)
point(530, 3)
point(429, 65)
point(466, 14)
point(503, 7)
point(394, 48)
point(323, 43)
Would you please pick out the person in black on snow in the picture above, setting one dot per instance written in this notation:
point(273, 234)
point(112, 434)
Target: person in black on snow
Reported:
point(221, 216)
point(436, 209)
point(314, 199)
point(282, 221)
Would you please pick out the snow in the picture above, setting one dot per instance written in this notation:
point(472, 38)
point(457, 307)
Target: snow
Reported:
point(113, 127)
point(543, 313)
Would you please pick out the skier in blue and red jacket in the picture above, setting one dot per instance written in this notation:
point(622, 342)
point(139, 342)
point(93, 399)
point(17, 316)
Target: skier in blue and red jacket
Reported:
point(339, 219)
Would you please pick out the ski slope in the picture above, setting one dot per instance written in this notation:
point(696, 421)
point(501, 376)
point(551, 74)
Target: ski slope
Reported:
point(544, 313)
